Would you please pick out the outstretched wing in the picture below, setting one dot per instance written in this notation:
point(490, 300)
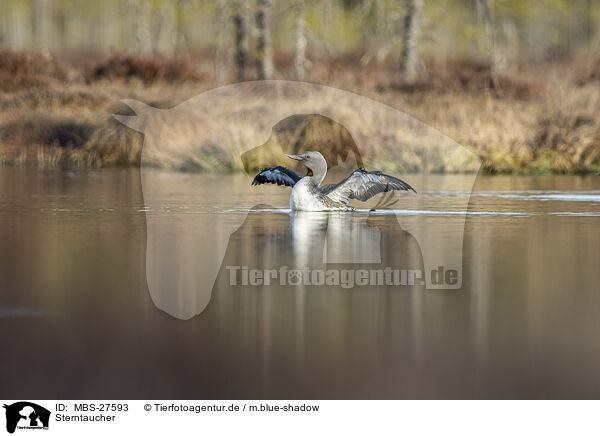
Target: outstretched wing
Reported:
point(363, 185)
point(279, 175)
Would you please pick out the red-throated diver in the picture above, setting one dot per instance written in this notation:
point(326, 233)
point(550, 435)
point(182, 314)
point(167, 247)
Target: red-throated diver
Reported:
point(307, 195)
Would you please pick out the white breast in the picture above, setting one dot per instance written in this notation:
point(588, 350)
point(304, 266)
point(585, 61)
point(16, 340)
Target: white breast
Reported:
point(304, 198)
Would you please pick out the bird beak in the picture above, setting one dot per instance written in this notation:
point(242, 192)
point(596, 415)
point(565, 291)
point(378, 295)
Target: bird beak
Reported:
point(293, 156)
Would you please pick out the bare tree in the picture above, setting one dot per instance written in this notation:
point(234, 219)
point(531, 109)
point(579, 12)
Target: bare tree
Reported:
point(139, 23)
point(410, 48)
point(164, 41)
point(485, 19)
point(182, 36)
point(300, 61)
point(264, 62)
point(42, 21)
point(221, 19)
point(239, 23)
point(18, 28)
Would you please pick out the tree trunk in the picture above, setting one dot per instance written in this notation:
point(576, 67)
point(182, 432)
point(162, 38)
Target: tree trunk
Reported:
point(164, 38)
point(239, 24)
point(300, 61)
point(485, 19)
point(221, 19)
point(19, 30)
point(181, 34)
point(264, 63)
point(412, 31)
point(139, 19)
point(42, 20)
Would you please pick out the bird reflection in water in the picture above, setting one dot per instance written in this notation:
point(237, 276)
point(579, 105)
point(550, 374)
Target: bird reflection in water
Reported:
point(333, 237)
point(269, 240)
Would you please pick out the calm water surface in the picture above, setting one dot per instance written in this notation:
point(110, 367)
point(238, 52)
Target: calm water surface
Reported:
point(77, 318)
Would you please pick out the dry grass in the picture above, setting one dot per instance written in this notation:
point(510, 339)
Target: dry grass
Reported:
point(58, 112)
point(25, 70)
point(471, 77)
point(147, 69)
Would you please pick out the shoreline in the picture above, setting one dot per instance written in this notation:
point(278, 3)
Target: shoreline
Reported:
point(57, 113)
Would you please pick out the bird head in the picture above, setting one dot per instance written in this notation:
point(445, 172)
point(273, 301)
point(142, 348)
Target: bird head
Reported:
point(313, 161)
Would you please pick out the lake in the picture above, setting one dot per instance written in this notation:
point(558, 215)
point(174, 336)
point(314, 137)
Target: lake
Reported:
point(94, 266)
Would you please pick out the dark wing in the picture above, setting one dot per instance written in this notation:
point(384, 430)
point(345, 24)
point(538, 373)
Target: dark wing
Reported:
point(278, 175)
point(363, 185)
